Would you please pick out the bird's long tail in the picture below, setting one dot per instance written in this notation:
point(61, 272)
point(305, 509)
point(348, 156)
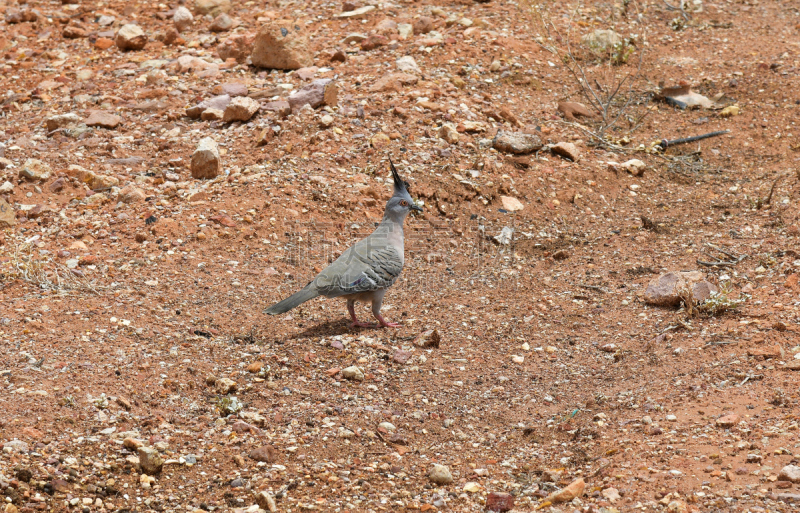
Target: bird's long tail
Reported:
point(310, 292)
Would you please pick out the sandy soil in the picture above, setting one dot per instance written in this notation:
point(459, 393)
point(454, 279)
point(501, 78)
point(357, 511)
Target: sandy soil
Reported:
point(131, 315)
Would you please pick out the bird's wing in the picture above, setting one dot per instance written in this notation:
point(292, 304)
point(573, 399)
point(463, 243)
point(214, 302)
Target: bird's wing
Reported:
point(365, 267)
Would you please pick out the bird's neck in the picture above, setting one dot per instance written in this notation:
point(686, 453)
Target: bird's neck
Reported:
point(393, 229)
point(390, 218)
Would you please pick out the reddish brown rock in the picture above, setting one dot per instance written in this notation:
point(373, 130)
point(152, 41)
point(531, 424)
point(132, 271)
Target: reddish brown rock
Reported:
point(423, 25)
point(217, 102)
point(103, 43)
point(573, 110)
point(265, 136)
point(430, 338)
point(57, 185)
point(373, 41)
point(103, 119)
point(61, 121)
point(790, 473)
point(306, 73)
point(231, 89)
point(131, 194)
point(401, 356)
point(499, 501)
point(319, 92)
point(728, 421)
point(150, 461)
point(182, 19)
point(206, 159)
point(14, 15)
point(73, 32)
point(279, 107)
point(212, 7)
point(243, 427)
point(131, 37)
point(35, 170)
point(265, 453)
point(518, 143)
point(240, 108)
point(338, 56)
point(280, 47)
point(574, 489)
point(237, 47)
point(393, 82)
point(773, 351)
point(172, 37)
point(221, 23)
point(566, 150)
point(386, 26)
point(61, 486)
point(633, 166)
point(224, 220)
point(255, 367)
point(212, 115)
point(7, 215)
point(87, 260)
point(506, 114)
point(669, 288)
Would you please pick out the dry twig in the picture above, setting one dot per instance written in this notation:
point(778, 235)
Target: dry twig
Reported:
point(664, 144)
point(719, 262)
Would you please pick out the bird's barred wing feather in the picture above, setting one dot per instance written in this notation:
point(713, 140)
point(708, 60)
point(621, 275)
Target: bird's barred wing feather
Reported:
point(358, 270)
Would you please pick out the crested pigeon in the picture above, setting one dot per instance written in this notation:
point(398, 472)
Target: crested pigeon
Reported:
point(366, 270)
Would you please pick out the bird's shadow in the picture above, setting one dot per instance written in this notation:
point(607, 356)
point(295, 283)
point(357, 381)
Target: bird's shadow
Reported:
point(327, 329)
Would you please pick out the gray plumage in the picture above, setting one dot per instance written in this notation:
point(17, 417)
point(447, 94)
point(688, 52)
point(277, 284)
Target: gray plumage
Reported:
point(367, 269)
point(296, 299)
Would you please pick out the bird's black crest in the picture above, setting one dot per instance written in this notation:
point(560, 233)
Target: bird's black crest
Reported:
point(399, 183)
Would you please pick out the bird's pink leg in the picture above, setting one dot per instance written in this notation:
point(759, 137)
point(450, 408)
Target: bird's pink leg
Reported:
point(351, 307)
point(384, 323)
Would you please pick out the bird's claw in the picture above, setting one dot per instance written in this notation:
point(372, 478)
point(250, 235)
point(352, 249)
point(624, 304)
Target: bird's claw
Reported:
point(391, 325)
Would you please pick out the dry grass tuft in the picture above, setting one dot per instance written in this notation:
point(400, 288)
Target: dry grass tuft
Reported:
point(24, 262)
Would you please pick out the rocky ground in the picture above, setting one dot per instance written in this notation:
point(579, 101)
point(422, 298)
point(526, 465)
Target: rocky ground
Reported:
point(167, 171)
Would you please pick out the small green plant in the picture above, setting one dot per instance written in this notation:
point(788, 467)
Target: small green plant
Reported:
point(622, 51)
point(68, 401)
point(720, 301)
point(101, 403)
point(678, 24)
point(228, 406)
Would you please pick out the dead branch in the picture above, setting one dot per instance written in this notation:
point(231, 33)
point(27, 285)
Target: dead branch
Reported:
point(664, 144)
point(679, 8)
point(772, 190)
point(593, 287)
point(719, 262)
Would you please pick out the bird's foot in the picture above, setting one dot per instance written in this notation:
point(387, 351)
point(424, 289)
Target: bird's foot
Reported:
point(359, 324)
point(385, 324)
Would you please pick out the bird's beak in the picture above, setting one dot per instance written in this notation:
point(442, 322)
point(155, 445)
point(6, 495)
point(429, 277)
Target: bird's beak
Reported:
point(416, 207)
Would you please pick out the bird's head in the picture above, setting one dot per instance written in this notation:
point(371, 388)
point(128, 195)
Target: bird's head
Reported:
point(401, 202)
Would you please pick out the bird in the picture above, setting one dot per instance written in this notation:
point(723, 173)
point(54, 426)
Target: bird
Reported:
point(366, 270)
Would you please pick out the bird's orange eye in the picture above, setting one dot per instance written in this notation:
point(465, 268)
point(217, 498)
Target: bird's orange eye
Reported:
point(404, 203)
